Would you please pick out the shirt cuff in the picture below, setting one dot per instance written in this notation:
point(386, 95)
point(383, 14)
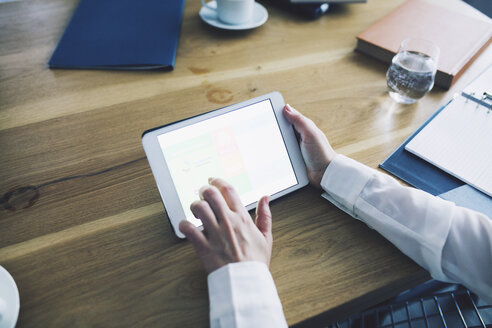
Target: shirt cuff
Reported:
point(344, 180)
point(243, 289)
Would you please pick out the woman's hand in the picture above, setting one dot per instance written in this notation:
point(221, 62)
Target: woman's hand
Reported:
point(229, 234)
point(315, 148)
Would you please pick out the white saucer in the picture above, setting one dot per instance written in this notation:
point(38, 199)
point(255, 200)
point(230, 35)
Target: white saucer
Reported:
point(260, 16)
point(9, 300)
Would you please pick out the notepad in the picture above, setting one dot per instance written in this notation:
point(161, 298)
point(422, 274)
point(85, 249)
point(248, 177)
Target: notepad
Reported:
point(459, 139)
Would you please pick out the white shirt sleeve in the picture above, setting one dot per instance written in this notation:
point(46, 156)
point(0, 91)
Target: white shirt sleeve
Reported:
point(453, 243)
point(243, 294)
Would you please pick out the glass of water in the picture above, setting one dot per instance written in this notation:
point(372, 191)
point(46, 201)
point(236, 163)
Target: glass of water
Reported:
point(412, 71)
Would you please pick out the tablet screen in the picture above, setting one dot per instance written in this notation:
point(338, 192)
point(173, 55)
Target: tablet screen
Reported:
point(244, 147)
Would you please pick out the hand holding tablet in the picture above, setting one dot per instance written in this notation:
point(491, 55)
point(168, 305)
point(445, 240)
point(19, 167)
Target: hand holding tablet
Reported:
point(250, 145)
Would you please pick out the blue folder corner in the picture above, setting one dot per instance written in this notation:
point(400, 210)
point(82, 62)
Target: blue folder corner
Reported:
point(425, 176)
point(121, 34)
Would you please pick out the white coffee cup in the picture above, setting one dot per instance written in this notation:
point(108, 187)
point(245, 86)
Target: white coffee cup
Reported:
point(233, 12)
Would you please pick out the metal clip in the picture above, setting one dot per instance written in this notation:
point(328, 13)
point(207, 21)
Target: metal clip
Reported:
point(487, 96)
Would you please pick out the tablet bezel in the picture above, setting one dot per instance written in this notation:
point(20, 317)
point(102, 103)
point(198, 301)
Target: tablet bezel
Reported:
point(162, 174)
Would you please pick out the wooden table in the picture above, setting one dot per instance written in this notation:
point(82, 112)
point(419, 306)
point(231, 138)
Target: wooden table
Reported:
point(82, 228)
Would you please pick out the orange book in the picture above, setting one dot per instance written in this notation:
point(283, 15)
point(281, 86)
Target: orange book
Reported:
point(460, 35)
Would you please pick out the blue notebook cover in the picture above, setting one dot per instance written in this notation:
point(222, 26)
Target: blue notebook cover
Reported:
point(121, 34)
point(484, 6)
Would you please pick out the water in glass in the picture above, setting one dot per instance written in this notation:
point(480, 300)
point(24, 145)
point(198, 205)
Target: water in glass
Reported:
point(410, 76)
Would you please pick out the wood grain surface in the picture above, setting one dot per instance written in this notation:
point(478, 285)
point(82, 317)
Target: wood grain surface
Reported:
point(82, 229)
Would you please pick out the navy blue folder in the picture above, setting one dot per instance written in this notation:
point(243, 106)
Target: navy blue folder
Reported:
point(121, 34)
point(425, 176)
point(484, 6)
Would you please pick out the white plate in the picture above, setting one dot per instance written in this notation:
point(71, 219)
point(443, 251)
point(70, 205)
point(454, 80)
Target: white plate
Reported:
point(260, 16)
point(9, 300)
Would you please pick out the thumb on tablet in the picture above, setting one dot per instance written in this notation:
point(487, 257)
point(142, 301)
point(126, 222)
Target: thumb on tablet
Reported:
point(301, 123)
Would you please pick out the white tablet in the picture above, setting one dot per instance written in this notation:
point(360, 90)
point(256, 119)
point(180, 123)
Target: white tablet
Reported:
point(251, 145)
